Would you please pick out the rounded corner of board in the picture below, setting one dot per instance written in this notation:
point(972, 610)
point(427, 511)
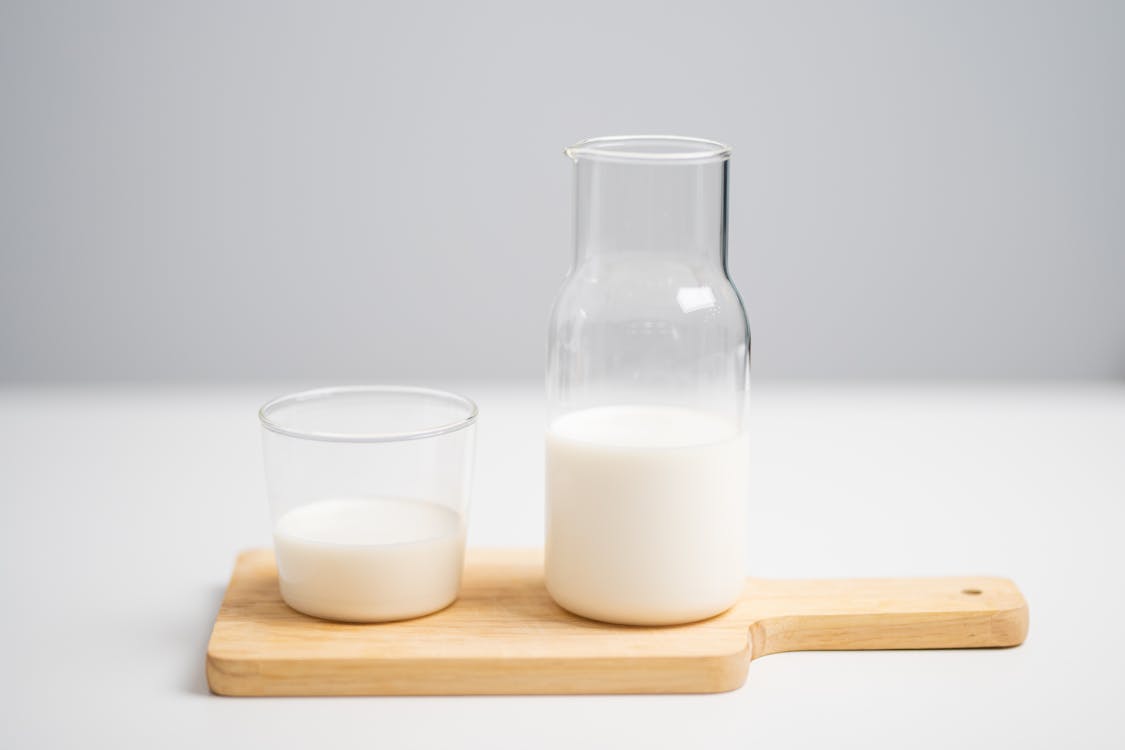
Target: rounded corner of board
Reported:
point(217, 679)
point(727, 672)
point(1010, 627)
point(225, 676)
point(1010, 624)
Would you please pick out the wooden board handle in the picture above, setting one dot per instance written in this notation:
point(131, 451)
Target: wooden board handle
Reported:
point(900, 613)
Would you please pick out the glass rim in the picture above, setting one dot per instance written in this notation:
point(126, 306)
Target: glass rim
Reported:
point(679, 148)
point(330, 392)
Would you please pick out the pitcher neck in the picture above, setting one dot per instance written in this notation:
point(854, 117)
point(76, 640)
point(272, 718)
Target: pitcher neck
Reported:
point(651, 195)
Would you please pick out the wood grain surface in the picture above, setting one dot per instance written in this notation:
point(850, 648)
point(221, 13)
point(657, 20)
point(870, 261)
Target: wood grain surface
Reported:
point(505, 635)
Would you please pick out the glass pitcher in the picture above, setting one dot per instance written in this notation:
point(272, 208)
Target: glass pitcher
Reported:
point(647, 383)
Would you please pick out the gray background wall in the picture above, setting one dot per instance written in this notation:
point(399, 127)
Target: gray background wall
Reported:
point(210, 190)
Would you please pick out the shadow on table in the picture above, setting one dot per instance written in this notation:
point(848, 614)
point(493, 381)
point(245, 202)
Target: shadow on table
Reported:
point(193, 637)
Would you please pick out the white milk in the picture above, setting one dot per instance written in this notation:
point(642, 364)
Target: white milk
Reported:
point(646, 514)
point(369, 559)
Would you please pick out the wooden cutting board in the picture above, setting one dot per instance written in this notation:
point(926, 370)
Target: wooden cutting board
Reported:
point(505, 635)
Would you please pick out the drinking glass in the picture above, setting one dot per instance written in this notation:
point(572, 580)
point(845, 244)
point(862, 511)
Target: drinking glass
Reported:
point(369, 496)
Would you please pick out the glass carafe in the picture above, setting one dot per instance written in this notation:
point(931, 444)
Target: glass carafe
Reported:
point(647, 383)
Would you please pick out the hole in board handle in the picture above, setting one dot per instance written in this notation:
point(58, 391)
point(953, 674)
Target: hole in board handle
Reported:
point(971, 592)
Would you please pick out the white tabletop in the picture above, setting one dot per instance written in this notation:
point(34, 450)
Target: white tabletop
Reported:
point(124, 508)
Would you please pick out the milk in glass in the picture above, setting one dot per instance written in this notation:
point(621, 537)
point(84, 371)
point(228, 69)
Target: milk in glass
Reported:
point(369, 559)
point(646, 513)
